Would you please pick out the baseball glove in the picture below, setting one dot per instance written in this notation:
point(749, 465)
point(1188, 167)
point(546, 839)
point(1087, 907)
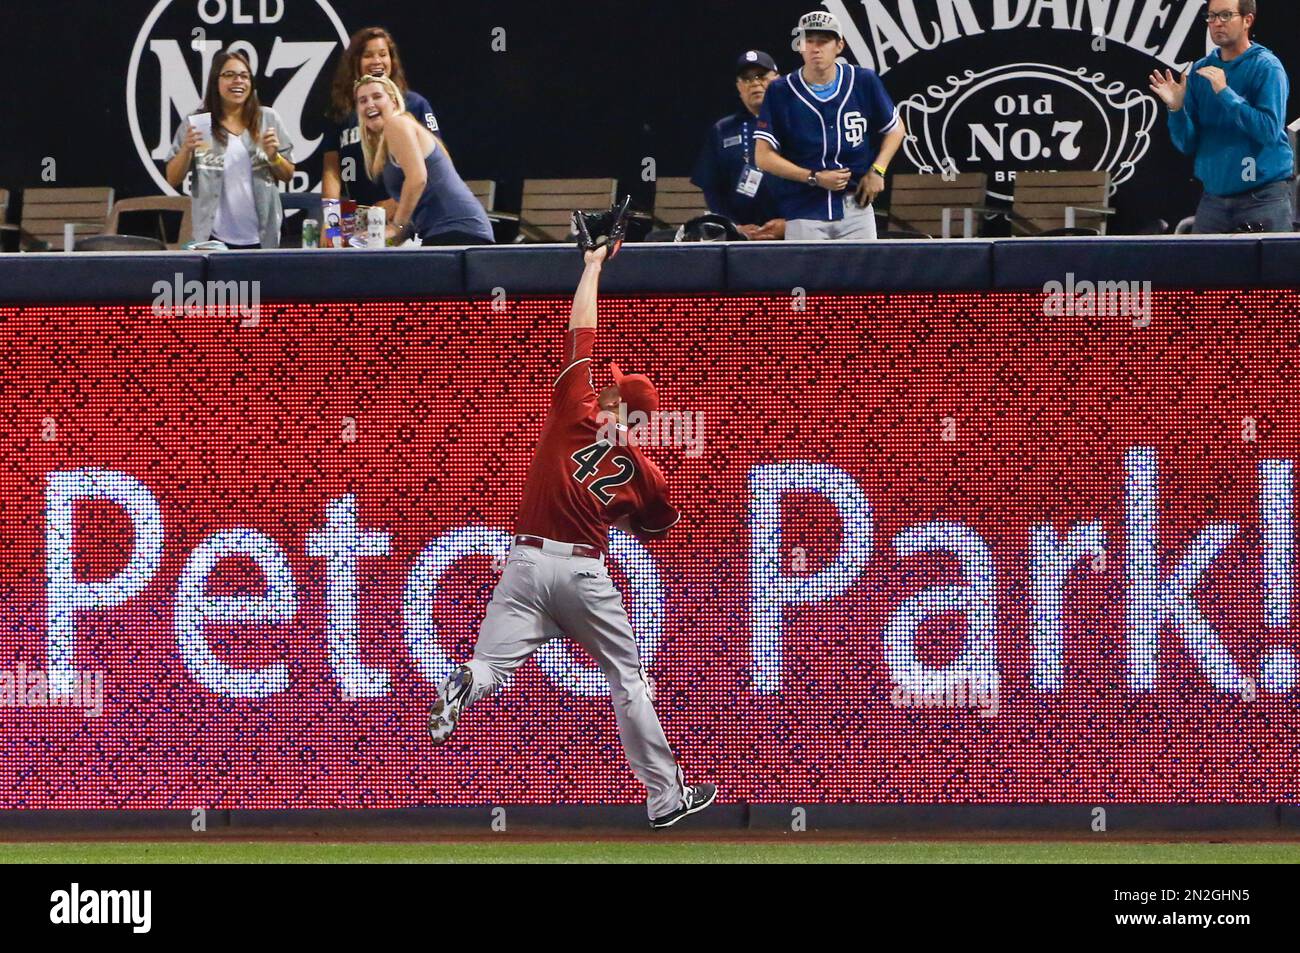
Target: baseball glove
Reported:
point(608, 228)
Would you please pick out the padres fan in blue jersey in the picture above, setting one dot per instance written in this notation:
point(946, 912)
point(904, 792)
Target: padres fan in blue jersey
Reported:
point(833, 129)
point(732, 183)
point(372, 51)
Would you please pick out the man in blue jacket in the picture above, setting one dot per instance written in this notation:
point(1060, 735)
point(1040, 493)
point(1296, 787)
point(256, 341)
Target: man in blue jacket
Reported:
point(1230, 117)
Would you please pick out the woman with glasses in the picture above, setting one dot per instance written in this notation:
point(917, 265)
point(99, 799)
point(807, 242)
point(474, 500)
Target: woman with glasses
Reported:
point(371, 52)
point(238, 169)
point(433, 202)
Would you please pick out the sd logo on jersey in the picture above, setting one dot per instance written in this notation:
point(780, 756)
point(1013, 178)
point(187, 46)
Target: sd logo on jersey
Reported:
point(855, 128)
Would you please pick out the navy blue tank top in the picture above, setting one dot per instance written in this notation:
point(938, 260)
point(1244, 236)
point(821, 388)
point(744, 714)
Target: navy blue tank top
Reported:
point(447, 204)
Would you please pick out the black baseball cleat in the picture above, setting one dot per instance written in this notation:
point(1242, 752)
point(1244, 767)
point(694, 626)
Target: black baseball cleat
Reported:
point(451, 699)
point(698, 797)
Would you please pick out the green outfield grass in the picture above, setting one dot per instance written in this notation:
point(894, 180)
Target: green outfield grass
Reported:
point(619, 852)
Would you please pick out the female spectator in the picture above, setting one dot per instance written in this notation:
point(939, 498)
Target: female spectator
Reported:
point(236, 175)
point(413, 164)
point(371, 52)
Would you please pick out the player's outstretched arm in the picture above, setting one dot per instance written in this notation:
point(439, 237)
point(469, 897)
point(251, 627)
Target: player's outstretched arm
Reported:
point(584, 300)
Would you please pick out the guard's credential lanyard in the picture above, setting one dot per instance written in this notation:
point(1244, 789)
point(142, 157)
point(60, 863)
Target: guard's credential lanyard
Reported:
point(750, 177)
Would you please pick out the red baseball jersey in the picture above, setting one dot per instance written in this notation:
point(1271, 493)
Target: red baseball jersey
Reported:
point(579, 483)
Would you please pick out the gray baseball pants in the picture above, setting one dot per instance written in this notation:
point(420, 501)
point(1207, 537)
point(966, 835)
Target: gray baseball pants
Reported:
point(543, 595)
point(858, 224)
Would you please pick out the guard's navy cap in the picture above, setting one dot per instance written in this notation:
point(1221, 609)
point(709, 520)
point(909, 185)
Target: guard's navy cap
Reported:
point(751, 58)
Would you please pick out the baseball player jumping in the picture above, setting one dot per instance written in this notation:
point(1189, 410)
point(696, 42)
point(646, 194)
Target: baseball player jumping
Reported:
point(555, 581)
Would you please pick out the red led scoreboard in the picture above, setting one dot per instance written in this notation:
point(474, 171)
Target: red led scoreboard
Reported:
point(935, 548)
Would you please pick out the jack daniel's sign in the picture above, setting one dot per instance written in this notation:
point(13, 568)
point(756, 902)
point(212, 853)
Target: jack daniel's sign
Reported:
point(1004, 86)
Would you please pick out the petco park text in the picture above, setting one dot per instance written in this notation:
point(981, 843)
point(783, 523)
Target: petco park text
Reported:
point(1156, 602)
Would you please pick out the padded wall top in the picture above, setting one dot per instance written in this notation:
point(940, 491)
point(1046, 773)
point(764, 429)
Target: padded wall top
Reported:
point(102, 277)
point(694, 268)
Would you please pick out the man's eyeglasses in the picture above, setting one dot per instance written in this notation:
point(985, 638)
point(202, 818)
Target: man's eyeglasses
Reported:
point(231, 74)
point(1224, 17)
point(761, 78)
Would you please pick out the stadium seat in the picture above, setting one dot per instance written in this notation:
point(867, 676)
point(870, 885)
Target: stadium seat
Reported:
point(14, 237)
point(159, 204)
point(505, 225)
point(1061, 203)
point(5, 227)
point(677, 201)
point(547, 204)
point(46, 211)
point(308, 202)
point(932, 206)
point(485, 190)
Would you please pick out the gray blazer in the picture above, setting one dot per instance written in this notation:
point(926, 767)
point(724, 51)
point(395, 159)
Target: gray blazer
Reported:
point(209, 174)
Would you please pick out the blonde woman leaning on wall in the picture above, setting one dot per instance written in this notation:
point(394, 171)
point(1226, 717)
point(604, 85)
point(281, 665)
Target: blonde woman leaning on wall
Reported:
point(432, 200)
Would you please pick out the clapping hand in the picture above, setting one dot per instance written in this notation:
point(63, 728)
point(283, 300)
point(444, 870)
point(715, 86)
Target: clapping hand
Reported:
point(1217, 77)
point(1172, 92)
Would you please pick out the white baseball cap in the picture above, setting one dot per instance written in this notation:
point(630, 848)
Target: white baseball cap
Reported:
point(819, 21)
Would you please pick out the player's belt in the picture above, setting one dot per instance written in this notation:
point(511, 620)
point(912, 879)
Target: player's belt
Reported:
point(559, 549)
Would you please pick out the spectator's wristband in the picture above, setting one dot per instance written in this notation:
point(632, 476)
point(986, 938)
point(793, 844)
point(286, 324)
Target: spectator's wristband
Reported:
point(404, 233)
point(878, 170)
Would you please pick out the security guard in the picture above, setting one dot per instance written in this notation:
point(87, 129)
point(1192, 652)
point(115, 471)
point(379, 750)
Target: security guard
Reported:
point(732, 183)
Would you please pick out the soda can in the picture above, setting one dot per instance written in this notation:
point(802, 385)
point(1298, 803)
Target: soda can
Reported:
point(310, 233)
point(376, 227)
